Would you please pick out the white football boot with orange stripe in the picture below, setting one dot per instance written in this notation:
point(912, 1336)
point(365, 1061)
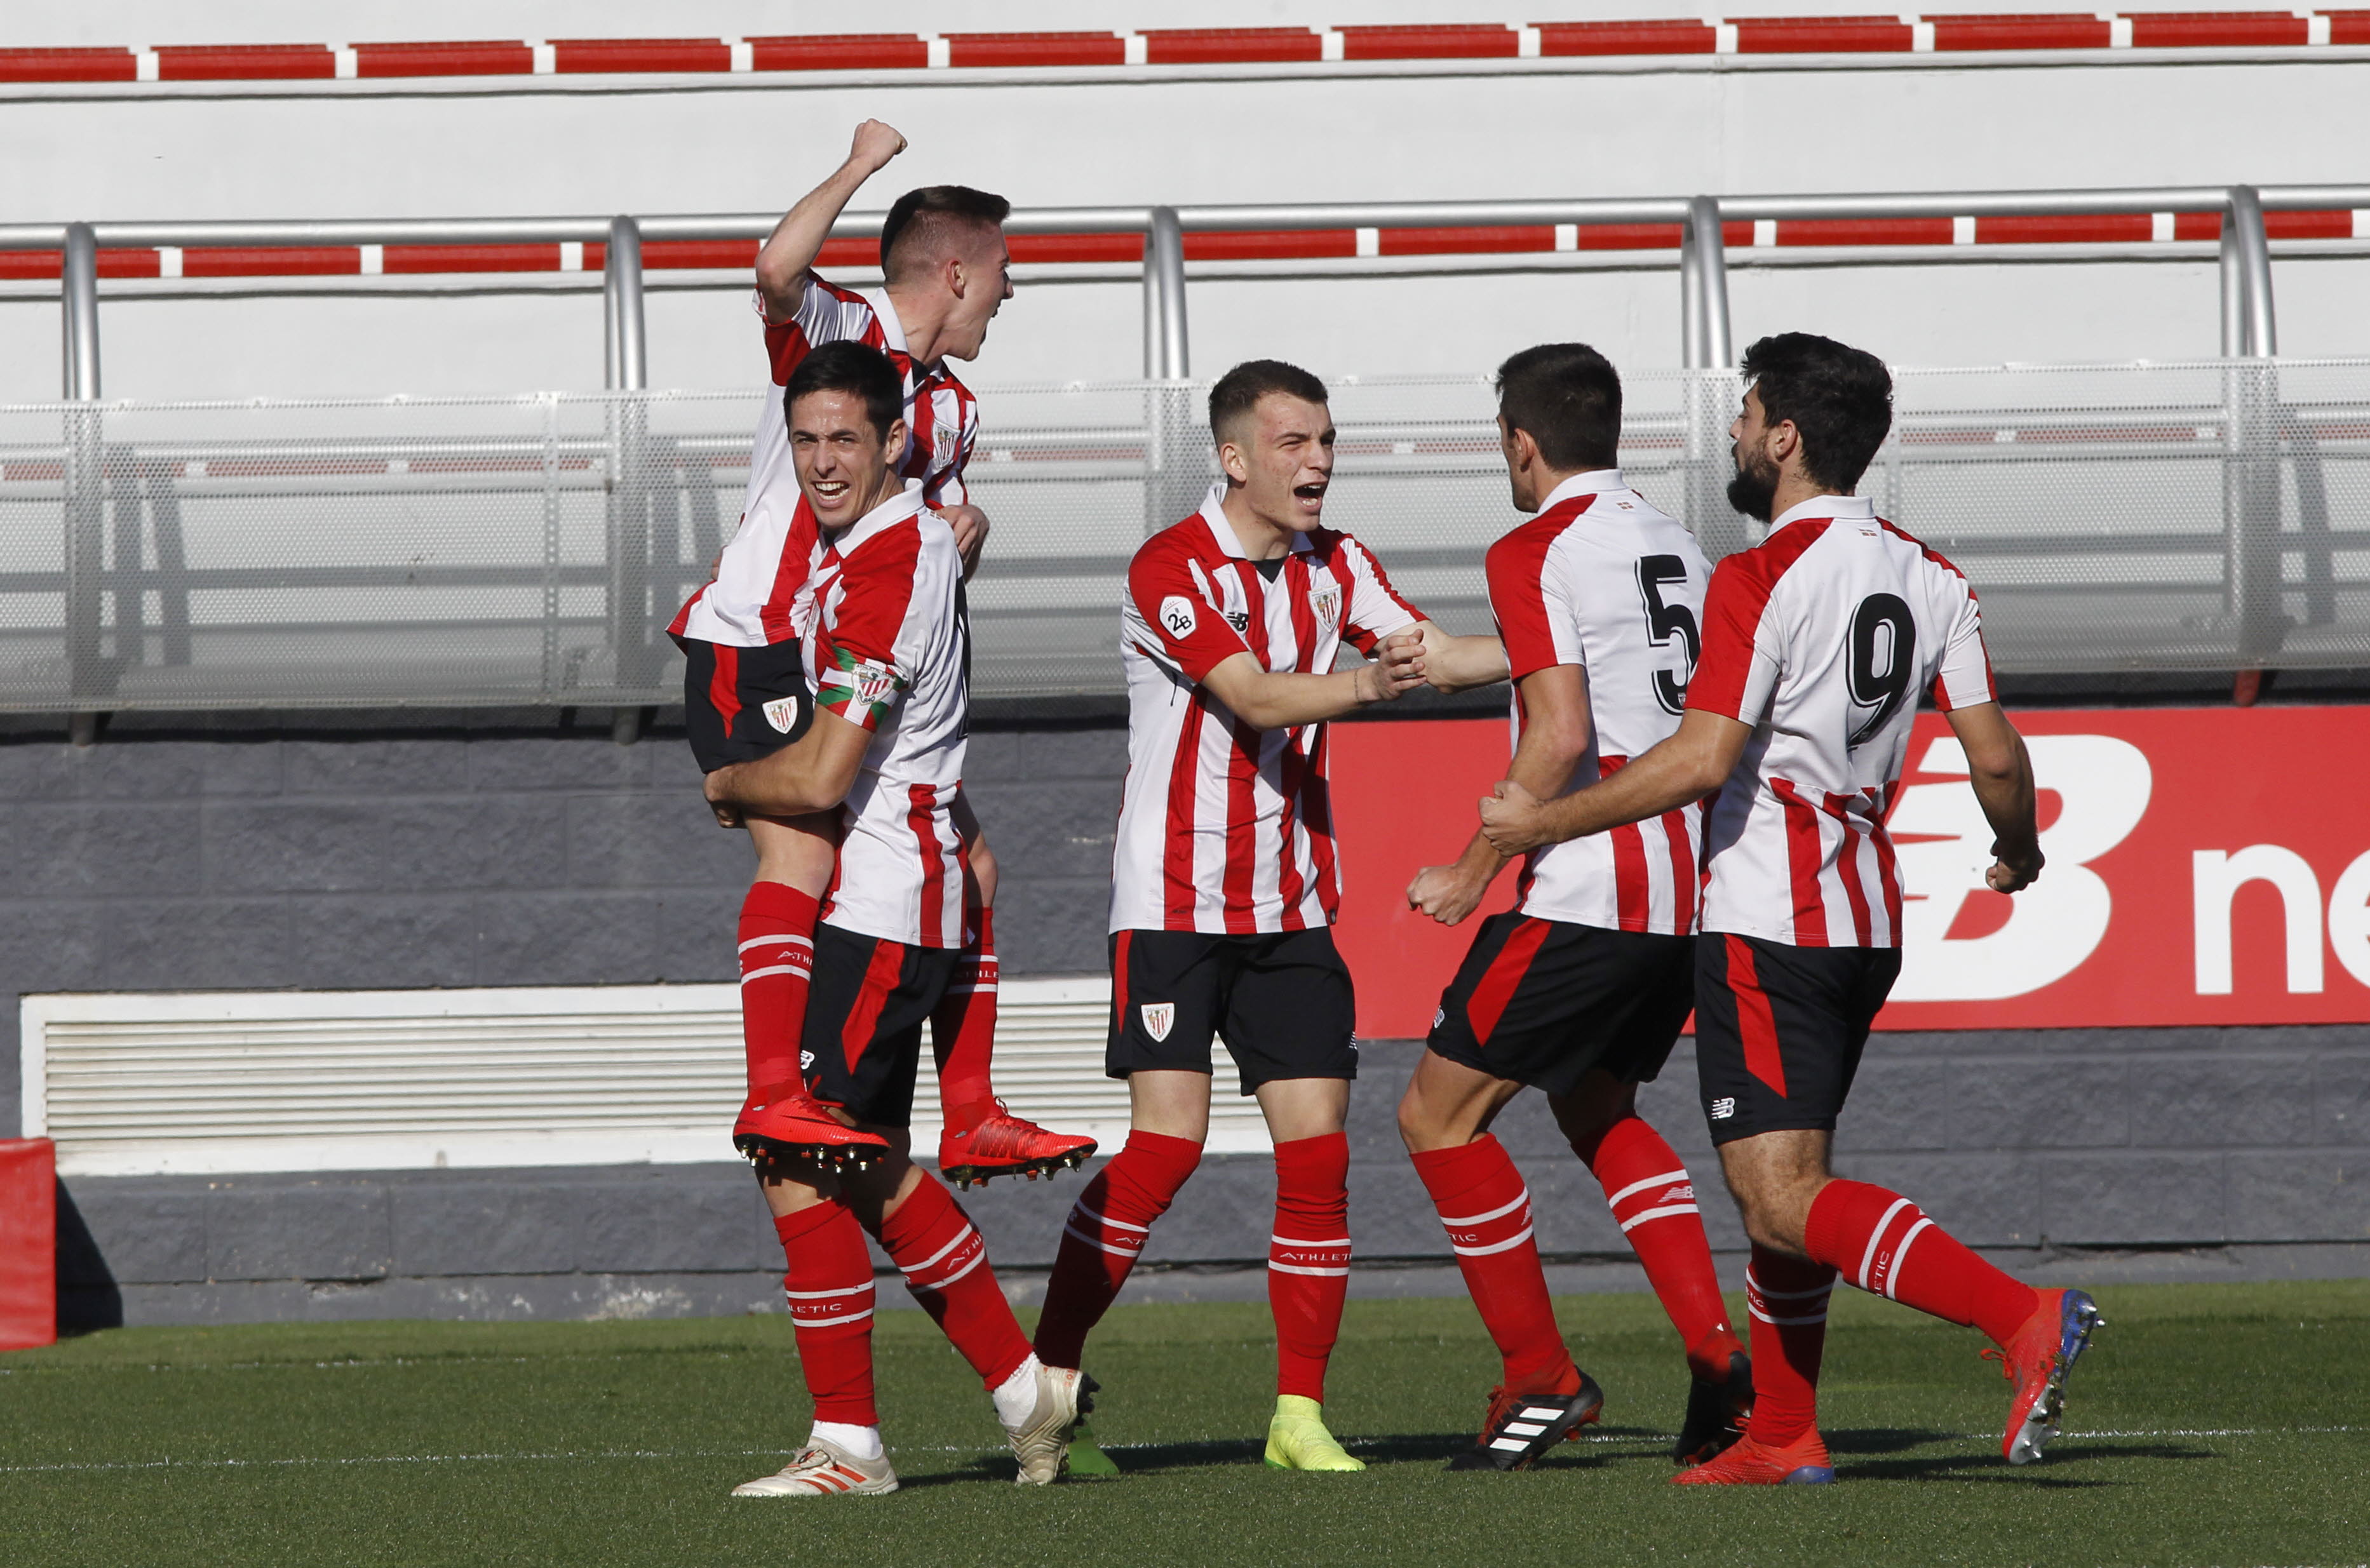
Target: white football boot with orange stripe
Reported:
point(823, 1470)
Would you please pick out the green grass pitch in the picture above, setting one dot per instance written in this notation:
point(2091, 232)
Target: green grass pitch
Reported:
point(2208, 1424)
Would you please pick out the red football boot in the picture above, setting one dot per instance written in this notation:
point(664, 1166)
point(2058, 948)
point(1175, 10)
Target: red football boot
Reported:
point(1802, 1462)
point(785, 1122)
point(2036, 1362)
point(1001, 1144)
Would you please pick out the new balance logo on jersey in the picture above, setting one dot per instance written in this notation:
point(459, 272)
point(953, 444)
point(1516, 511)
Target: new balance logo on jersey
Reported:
point(1177, 615)
point(806, 1061)
point(1723, 1108)
point(782, 713)
point(1240, 619)
point(1159, 1017)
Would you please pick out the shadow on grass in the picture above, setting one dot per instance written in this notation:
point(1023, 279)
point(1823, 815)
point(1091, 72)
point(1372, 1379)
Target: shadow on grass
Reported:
point(1992, 1468)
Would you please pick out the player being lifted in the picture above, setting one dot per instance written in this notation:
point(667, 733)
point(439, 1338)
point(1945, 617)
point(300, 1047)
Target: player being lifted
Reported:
point(744, 688)
point(885, 750)
point(1581, 988)
point(1224, 885)
point(1816, 644)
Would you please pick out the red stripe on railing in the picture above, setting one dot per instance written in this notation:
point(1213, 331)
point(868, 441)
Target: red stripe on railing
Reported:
point(471, 258)
point(2208, 30)
point(2302, 226)
point(1639, 236)
point(30, 264)
point(1036, 49)
point(67, 65)
point(592, 56)
point(677, 253)
point(1468, 241)
point(244, 63)
point(1453, 41)
point(840, 51)
point(1955, 33)
point(850, 253)
point(130, 264)
point(2075, 229)
point(2348, 27)
point(1822, 35)
point(388, 59)
point(1226, 46)
point(1076, 248)
point(327, 261)
point(1864, 230)
point(1263, 245)
point(1625, 38)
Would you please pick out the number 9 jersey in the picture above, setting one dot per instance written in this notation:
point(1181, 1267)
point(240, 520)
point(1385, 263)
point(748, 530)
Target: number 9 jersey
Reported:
point(1821, 638)
point(1603, 580)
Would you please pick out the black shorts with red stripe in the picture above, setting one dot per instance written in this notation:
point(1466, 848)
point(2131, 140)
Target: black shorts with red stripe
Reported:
point(1542, 1001)
point(1779, 1029)
point(1282, 1000)
point(739, 704)
point(865, 1012)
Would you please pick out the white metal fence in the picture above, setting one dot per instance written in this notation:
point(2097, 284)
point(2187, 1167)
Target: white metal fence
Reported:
point(529, 550)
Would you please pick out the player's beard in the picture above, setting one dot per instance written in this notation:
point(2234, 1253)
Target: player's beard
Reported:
point(1753, 491)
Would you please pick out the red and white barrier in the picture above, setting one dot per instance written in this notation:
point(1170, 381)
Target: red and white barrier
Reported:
point(29, 1243)
point(1187, 47)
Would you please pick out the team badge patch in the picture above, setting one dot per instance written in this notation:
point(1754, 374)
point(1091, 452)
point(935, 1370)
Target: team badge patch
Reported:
point(782, 713)
point(1159, 1017)
point(942, 441)
point(873, 682)
point(1177, 615)
point(1326, 603)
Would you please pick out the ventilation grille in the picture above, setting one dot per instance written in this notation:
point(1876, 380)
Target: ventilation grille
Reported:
point(218, 1082)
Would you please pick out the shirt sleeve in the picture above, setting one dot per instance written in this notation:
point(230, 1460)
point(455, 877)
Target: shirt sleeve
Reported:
point(1531, 606)
point(862, 671)
point(947, 488)
point(826, 314)
point(1964, 680)
point(1743, 646)
point(1376, 608)
point(1173, 615)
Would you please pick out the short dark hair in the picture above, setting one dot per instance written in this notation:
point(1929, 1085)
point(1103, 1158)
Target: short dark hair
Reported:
point(1568, 397)
point(1239, 391)
point(845, 365)
point(1838, 396)
point(921, 220)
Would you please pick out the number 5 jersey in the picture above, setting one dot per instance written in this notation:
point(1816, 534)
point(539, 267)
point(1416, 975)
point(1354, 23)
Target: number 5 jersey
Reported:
point(1603, 580)
point(1821, 638)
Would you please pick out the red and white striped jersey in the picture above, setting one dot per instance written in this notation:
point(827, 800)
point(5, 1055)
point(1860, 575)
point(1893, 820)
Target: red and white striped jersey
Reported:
point(890, 650)
point(1821, 638)
point(762, 570)
point(1603, 580)
point(1225, 828)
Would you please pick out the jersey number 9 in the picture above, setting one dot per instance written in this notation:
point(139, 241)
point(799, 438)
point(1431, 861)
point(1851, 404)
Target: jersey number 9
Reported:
point(1883, 646)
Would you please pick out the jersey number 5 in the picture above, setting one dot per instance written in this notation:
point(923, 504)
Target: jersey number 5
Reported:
point(1665, 622)
point(1883, 646)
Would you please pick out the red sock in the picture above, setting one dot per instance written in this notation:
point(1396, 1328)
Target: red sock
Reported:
point(1787, 1297)
point(962, 1032)
point(777, 925)
point(1487, 1210)
point(1309, 1259)
point(1106, 1230)
point(1653, 1200)
point(943, 1260)
point(829, 1287)
point(1883, 1243)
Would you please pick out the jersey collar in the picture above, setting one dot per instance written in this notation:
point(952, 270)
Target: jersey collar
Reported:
point(892, 332)
point(905, 503)
point(1213, 516)
point(1826, 506)
point(1595, 483)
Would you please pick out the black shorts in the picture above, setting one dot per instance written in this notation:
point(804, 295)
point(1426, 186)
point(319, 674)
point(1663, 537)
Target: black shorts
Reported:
point(1282, 1000)
point(1779, 1029)
point(1541, 1001)
point(865, 1012)
point(741, 703)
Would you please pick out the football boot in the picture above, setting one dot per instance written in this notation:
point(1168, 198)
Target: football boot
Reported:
point(1520, 1428)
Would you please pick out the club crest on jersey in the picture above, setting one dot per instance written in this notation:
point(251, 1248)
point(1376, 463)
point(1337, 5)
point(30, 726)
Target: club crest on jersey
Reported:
point(942, 442)
point(1326, 603)
point(1177, 615)
point(872, 682)
point(782, 713)
point(1159, 1017)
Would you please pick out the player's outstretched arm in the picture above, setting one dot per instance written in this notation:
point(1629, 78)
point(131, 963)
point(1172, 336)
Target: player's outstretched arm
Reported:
point(1694, 760)
point(1459, 664)
point(2001, 771)
point(798, 239)
point(1267, 699)
point(1557, 728)
point(813, 773)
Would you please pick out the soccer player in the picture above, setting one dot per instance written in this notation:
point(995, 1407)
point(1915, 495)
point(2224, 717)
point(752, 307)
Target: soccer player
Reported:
point(945, 259)
point(1581, 988)
point(1815, 645)
point(884, 748)
point(1224, 879)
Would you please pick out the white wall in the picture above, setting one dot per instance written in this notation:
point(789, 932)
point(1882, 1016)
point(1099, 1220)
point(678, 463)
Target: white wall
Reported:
point(757, 147)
